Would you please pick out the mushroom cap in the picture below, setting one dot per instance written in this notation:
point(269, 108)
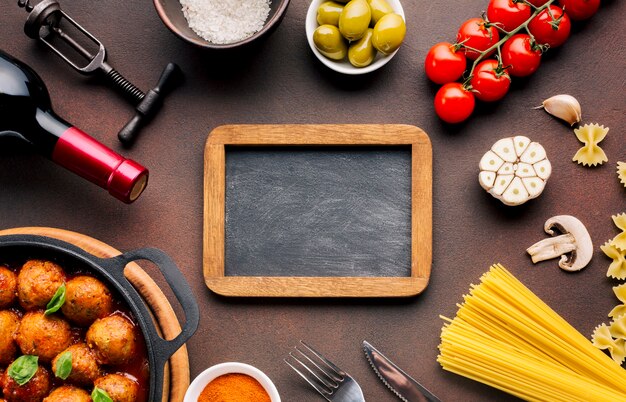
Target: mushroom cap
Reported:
point(580, 257)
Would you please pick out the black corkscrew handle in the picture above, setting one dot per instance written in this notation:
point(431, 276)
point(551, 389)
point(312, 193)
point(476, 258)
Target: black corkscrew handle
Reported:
point(150, 104)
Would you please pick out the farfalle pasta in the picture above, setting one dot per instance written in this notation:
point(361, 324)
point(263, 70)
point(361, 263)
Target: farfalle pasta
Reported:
point(619, 241)
point(617, 269)
point(602, 339)
point(617, 328)
point(621, 172)
point(620, 309)
point(591, 154)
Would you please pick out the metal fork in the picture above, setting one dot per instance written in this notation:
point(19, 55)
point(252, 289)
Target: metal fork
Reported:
point(334, 384)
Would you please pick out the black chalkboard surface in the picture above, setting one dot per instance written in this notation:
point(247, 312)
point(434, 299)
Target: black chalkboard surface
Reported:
point(317, 210)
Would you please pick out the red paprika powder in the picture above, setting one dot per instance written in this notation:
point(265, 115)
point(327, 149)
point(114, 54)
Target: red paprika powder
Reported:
point(234, 387)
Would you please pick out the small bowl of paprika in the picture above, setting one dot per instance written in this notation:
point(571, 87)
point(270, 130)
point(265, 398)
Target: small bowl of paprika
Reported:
point(237, 382)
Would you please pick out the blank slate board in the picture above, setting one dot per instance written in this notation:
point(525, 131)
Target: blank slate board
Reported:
point(318, 210)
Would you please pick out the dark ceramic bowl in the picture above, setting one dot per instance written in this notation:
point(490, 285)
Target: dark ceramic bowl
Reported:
point(170, 12)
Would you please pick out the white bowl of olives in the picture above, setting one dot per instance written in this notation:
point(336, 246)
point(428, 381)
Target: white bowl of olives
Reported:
point(355, 36)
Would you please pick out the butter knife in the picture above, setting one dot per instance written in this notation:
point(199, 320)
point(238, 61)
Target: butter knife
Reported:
point(399, 382)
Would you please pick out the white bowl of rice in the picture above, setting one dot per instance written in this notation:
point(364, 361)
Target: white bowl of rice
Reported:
point(221, 24)
point(344, 66)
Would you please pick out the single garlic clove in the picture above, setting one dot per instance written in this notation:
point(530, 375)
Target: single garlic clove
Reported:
point(502, 182)
point(490, 162)
point(564, 107)
point(521, 143)
point(515, 193)
point(507, 168)
point(487, 179)
point(534, 185)
point(543, 169)
point(533, 154)
point(525, 170)
point(505, 149)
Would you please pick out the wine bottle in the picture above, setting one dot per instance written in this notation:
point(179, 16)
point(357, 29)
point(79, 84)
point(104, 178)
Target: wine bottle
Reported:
point(26, 113)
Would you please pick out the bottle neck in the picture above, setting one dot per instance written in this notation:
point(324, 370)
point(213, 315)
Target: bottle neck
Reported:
point(82, 154)
point(45, 131)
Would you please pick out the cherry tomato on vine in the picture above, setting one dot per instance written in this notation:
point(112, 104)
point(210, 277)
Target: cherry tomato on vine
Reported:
point(580, 9)
point(454, 103)
point(508, 14)
point(520, 55)
point(490, 81)
point(552, 30)
point(444, 64)
point(477, 34)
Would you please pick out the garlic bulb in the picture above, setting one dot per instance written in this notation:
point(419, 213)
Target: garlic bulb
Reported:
point(565, 107)
point(515, 170)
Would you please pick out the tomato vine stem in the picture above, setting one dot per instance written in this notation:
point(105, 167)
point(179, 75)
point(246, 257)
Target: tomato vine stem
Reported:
point(509, 34)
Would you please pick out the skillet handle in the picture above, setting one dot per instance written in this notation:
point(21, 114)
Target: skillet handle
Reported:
point(181, 290)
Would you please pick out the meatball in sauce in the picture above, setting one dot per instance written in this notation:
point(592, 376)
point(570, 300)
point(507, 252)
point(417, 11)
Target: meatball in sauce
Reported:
point(85, 368)
point(68, 393)
point(8, 287)
point(86, 300)
point(9, 322)
point(119, 387)
point(43, 335)
point(37, 282)
point(113, 338)
point(33, 391)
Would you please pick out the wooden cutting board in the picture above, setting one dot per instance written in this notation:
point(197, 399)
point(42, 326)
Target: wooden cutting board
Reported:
point(176, 379)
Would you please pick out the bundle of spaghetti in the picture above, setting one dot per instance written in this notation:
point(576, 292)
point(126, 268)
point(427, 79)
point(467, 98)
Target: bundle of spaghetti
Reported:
point(505, 336)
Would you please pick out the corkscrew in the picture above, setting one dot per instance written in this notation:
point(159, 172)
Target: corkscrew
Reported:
point(44, 23)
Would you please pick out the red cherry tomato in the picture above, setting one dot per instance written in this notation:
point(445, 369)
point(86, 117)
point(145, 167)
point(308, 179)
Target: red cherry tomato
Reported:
point(454, 103)
point(509, 15)
point(519, 55)
point(444, 64)
point(551, 30)
point(473, 33)
point(580, 9)
point(490, 80)
point(537, 3)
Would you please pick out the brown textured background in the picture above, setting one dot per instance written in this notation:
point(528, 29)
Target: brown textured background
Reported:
point(280, 81)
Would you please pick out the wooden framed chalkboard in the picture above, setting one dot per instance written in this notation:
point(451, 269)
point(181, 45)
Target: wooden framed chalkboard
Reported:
point(238, 167)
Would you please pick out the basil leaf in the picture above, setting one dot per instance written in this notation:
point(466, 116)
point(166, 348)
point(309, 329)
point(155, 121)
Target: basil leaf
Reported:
point(100, 395)
point(23, 369)
point(64, 365)
point(57, 300)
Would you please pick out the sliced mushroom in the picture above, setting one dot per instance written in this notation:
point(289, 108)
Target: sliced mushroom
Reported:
point(573, 245)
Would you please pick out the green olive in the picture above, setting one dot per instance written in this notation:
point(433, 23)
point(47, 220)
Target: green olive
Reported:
point(329, 42)
point(329, 12)
point(389, 33)
point(355, 19)
point(379, 9)
point(361, 52)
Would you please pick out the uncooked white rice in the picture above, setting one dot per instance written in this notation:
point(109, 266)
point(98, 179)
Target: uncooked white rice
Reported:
point(225, 21)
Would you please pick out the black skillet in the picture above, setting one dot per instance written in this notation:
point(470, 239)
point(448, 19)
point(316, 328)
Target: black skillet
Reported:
point(111, 270)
